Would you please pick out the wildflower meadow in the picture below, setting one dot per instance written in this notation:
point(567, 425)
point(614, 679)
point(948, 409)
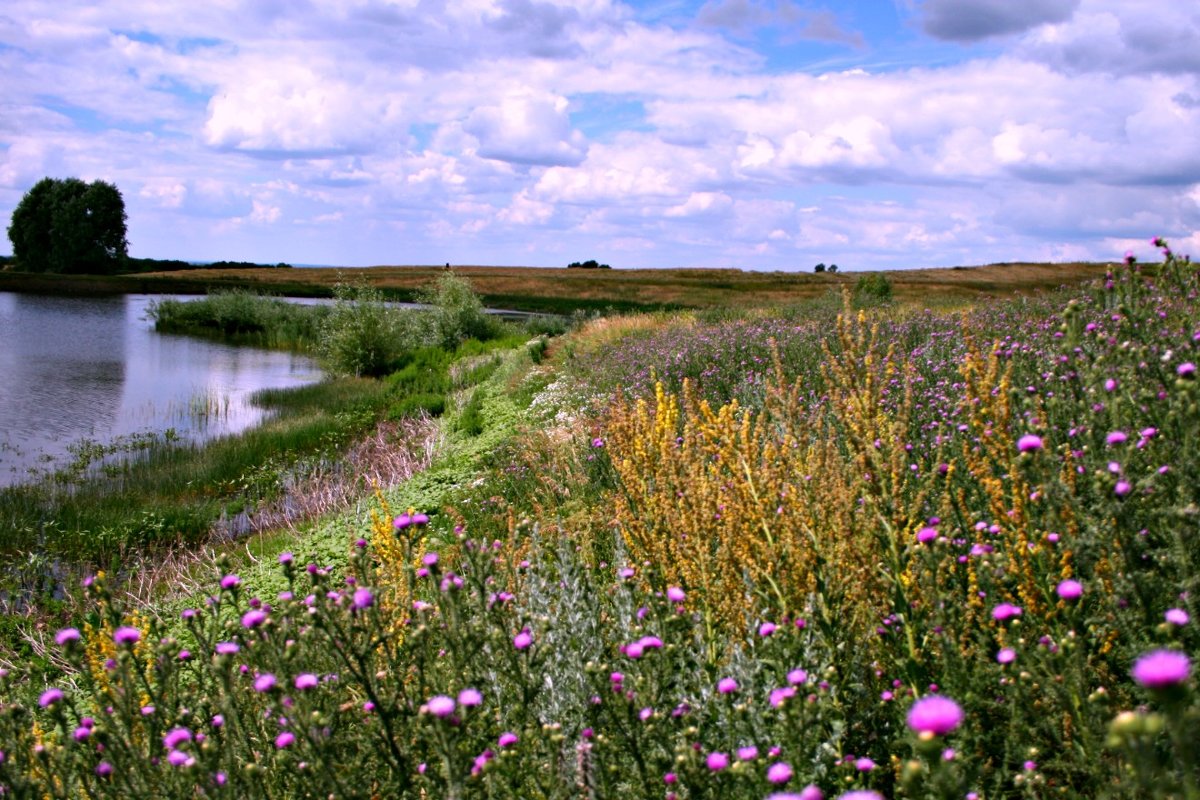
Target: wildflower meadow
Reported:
point(842, 552)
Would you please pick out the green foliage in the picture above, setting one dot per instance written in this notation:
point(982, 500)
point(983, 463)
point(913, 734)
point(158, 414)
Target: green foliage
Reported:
point(243, 318)
point(819, 267)
point(591, 263)
point(364, 336)
point(68, 226)
point(873, 288)
point(456, 312)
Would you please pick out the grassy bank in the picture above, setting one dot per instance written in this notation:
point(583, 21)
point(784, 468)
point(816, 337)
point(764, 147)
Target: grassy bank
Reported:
point(855, 553)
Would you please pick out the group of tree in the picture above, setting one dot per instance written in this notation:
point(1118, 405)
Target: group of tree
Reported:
point(69, 226)
point(589, 264)
point(822, 268)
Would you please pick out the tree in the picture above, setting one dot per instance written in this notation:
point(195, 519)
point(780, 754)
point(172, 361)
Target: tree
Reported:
point(833, 267)
point(819, 267)
point(68, 226)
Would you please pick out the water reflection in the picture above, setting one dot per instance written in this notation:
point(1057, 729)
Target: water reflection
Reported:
point(74, 368)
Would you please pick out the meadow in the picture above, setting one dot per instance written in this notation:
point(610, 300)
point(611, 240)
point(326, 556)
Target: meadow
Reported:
point(855, 548)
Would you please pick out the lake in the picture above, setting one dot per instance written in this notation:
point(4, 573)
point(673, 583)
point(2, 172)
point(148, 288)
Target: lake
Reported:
point(74, 369)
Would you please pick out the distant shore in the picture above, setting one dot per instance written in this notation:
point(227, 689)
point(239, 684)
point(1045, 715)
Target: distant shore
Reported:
point(562, 291)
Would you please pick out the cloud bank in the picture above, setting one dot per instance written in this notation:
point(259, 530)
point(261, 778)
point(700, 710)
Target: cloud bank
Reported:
point(749, 133)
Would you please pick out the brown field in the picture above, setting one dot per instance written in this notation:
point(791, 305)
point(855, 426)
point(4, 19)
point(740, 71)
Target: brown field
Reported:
point(693, 288)
point(561, 290)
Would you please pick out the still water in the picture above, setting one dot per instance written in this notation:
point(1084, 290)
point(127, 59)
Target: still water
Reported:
point(74, 369)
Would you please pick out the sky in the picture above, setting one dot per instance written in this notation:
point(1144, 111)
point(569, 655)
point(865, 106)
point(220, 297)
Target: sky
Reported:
point(757, 134)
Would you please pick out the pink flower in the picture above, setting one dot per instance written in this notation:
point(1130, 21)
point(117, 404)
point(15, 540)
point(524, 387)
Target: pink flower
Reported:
point(507, 739)
point(748, 753)
point(253, 618)
point(1161, 669)
point(126, 635)
point(927, 535)
point(178, 758)
point(675, 594)
point(470, 698)
point(1177, 616)
point(766, 629)
point(1070, 590)
point(1006, 655)
point(1005, 611)
point(227, 648)
point(440, 706)
point(523, 639)
point(1029, 443)
point(50, 697)
point(934, 716)
point(306, 680)
point(230, 582)
point(363, 598)
point(176, 737)
point(1115, 438)
point(727, 686)
point(717, 761)
point(779, 773)
point(1186, 370)
point(264, 683)
point(67, 636)
point(285, 739)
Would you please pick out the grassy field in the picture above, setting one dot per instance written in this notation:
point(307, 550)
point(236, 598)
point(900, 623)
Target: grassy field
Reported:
point(565, 290)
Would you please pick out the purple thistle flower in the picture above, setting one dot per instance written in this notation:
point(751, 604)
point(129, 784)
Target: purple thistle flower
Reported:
point(779, 772)
point(440, 706)
point(470, 698)
point(797, 677)
point(1161, 669)
point(50, 697)
point(1029, 443)
point(286, 558)
point(363, 598)
point(1122, 488)
point(176, 737)
point(675, 594)
point(306, 680)
point(264, 682)
point(507, 739)
point(934, 716)
point(104, 769)
point(927, 535)
point(727, 686)
point(717, 761)
point(864, 764)
point(523, 639)
point(253, 618)
point(748, 753)
point(1186, 370)
point(1069, 590)
point(1115, 438)
point(230, 582)
point(67, 636)
point(126, 635)
point(227, 648)
point(285, 739)
point(178, 758)
point(401, 522)
point(861, 794)
point(766, 629)
point(1177, 616)
point(1005, 611)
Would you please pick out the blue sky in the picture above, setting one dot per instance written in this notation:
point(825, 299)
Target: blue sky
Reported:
point(760, 134)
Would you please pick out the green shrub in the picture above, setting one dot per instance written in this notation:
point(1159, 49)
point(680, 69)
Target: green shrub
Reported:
point(874, 287)
point(364, 336)
point(456, 311)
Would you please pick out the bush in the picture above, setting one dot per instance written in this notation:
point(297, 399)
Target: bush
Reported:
point(364, 336)
point(456, 312)
point(874, 287)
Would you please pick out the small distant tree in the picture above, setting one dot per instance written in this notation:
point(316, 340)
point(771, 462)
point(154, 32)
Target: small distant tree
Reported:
point(68, 226)
point(819, 267)
point(833, 267)
point(589, 264)
point(874, 287)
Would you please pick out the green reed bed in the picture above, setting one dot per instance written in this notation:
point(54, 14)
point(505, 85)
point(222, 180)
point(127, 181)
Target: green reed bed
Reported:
point(240, 317)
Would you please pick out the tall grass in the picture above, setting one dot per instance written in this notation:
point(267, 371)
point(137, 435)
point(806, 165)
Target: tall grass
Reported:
point(243, 318)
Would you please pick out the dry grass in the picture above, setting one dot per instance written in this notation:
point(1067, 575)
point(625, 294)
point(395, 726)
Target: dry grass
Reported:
point(695, 288)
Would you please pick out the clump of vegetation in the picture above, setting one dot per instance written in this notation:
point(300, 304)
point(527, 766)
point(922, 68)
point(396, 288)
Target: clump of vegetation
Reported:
point(929, 556)
point(874, 287)
point(243, 318)
point(69, 226)
point(591, 263)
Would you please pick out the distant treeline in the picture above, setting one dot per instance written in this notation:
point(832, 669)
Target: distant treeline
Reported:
point(589, 264)
point(135, 265)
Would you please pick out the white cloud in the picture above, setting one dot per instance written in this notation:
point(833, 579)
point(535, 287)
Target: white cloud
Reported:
point(527, 128)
